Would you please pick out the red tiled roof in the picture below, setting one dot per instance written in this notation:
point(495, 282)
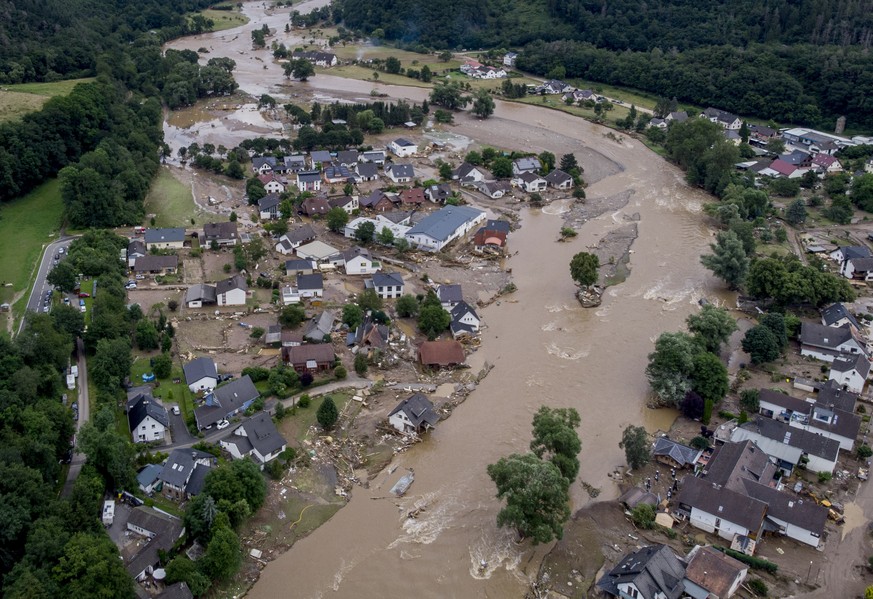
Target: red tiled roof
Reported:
point(441, 353)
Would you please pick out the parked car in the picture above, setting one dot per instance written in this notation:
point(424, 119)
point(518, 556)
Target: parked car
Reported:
point(84, 294)
point(222, 424)
point(130, 286)
point(176, 410)
point(224, 377)
point(139, 277)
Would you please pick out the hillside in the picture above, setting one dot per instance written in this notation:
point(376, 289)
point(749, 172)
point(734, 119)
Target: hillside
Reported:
point(804, 62)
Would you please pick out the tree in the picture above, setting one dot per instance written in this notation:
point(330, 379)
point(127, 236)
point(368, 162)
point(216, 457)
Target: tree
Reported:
point(795, 214)
point(761, 344)
point(709, 377)
point(111, 363)
point(223, 557)
point(182, 569)
point(327, 414)
point(643, 516)
point(369, 300)
point(554, 435)
point(68, 320)
point(407, 306)
point(750, 401)
point(775, 146)
point(583, 268)
point(392, 65)
point(483, 104)
point(448, 95)
point(445, 171)
point(744, 132)
point(147, 335)
point(568, 163)
point(255, 190)
point(291, 316)
point(111, 454)
point(712, 327)
point(361, 364)
point(776, 323)
point(692, 405)
point(547, 161)
point(302, 69)
point(353, 316)
point(635, 442)
point(386, 236)
point(433, 320)
point(90, 567)
point(63, 276)
point(537, 496)
point(671, 366)
point(364, 232)
point(337, 219)
point(728, 260)
point(162, 365)
point(502, 167)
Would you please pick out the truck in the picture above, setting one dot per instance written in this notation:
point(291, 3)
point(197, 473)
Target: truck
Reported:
point(74, 370)
point(108, 512)
point(71, 382)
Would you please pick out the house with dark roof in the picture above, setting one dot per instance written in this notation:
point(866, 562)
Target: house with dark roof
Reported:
point(449, 295)
point(178, 590)
point(347, 203)
point(226, 401)
point(527, 164)
point(296, 266)
point(135, 249)
point(257, 438)
point(295, 163)
point(530, 182)
point(319, 59)
point(718, 510)
point(788, 446)
point(377, 201)
point(651, 572)
point(337, 173)
point(415, 414)
point(232, 291)
point(819, 418)
point(674, 454)
point(158, 265)
point(366, 171)
point(264, 165)
point(826, 343)
point(489, 241)
point(319, 327)
point(224, 234)
point(636, 496)
point(387, 285)
point(438, 193)
point(164, 239)
point(559, 179)
point(850, 371)
point(402, 147)
point(787, 514)
point(831, 395)
point(179, 469)
point(377, 157)
point(710, 573)
point(437, 354)
point(859, 269)
point(723, 118)
point(468, 173)
point(369, 334)
point(310, 357)
point(268, 206)
point(161, 532)
point(412, 198)
point(847, 252)
point(347, 158)
point(200, 295)
point(147, 478)
point(315, 206)
point(200, 375)
point(294, 238)
point(148, 420)
point(359, 261)
point(310, 286)
point(836, 315)
point(309, 180)
point(273, 336)
point(400, 173)
point(438, 229)
point(465, 321)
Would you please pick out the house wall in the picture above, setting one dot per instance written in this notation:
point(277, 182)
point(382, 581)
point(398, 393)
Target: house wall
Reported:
point(269, 456)
point(813, 352)
point(398, 179)
point(706, 521)
point(234, 297)
point(360, 266)
point(171, 492)
point(164, 245)
point(389, 291)
point(851, 380)
point(148, 430)
point(310, 293)
point(400, 422)
point(205, 384)
point(820, 464)
point(140, 531)
point(694, 590)
point(795, 532)
point(629, 590)
point(470, 320)
point(195, 304)
point(232, 449)
point(846, 444)
point(274, 187)
point(402, 151)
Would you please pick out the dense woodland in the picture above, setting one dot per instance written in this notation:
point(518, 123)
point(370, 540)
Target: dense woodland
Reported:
point(800, 62)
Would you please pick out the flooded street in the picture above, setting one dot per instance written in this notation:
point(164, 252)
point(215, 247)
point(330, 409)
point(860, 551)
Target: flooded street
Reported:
point(545, 348)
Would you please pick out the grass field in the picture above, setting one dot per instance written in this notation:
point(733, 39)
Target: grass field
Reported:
point(167, 390)
point(17, 100)
point(555, 102)
point(25, 225)
point(225, 19)
point(171, 202)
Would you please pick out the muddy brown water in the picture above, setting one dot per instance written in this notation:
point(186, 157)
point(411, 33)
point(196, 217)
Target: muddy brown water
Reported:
point(545, 349)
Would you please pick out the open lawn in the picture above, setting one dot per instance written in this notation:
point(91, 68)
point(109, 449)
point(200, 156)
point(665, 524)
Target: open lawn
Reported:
point(554, 101)
point(171, 202)
point(225, 19)
point(407, 59)
point(17, 100)
point(25, 225)
point(166, 390)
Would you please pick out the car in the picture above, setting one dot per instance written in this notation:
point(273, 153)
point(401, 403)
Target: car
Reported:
point(176, 410)
point(62, 250)
point(130, 286)
point(222, 424)
point(139, 277)
point(55, 262)
point(84, 294)
point(224, 377)
point(75, 405)
point(266, 275)
point(45, 309)
point(83, 309)
point(67, 301)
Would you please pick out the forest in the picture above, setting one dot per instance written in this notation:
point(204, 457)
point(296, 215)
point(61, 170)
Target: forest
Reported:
point(803, 62)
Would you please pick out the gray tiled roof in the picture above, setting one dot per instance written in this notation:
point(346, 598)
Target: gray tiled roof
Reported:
point(262, 434)
point(199, 368)
point(402, 170)
point(418, 409)
point(311, 282)
point(654, 570)
point(387, 279)
point(301, 234)
point(837, 312)
point(557, 177)
point(450, 293)
point(234, 282)
point(811, 443)
point(682, 454)
point(732, 506)
point(794, 510)
point(444, 222)
point(819, 335)
point(180, 465)
point(150, 262)
point(202, 293)
point(145, 406)
point(164, 235)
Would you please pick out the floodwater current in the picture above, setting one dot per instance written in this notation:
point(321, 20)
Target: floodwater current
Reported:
point(545, 349)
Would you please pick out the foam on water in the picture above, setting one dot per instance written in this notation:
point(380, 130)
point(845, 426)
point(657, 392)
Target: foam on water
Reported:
point(495, 549)
point(435, 516)
point(567, 354)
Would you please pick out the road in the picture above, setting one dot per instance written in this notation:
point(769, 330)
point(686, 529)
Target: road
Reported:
point(84, 416)
point(40, 286)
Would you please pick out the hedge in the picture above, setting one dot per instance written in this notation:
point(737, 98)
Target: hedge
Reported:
point(754, 562)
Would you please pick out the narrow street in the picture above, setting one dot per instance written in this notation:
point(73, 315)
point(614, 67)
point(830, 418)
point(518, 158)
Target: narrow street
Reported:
point(40, 285)
point(84, 416)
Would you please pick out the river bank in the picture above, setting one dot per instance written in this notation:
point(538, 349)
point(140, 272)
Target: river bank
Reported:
point(544, 347)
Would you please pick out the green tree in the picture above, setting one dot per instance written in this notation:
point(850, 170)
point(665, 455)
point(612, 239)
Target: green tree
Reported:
point(111, 454)
point(223, 556)
point(709, 377)
point(337, 219)
point(182, 569)
point(392, 65)
point(554, 435)
point(635, 442)
point(364, 232)
point(712, 327)
point(537, 496)
point(407, 306)
point(776, 323)
point(750, 401)
point(90, 567)
point(291, 316)
point(236, 481)
point(386, 236)
point(162, 365)
point(361, 364)
point(69, 320)
point(671, 366)
point(483, 104)
point(796, 212)
point(583, 269)
point(568, 163)
point(255, 190)
point(761, 344)
point(63, 276)
point(728, 260)
point(369, 300)
point(111, 363)
point(327, 414)
point(445, 171)
point(643, 516)
point(448, 95)
point(147, 335)
point(302, 69)
point(353, 316)
point(234, 170)
point(433, 320)
point(862, 192)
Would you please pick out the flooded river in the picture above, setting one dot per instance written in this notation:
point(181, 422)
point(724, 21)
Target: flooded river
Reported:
point(545, 349)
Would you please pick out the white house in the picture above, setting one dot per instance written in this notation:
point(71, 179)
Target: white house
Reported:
point(310, 286)
point(468, 173)
point(720, 510)
point(528, 164)
point(651, 572)
point(264, 164)
point(788, 446)
point(387, 285)
point(450, 296)
point(257, 438)
point(200, 295)
point(825, 343)
point(148, 419)
point(290, 295)
point(711, 573)
point(400, 173)
point(200, 375)
point(464, 320)
point(829, 420)
point(858, 268)
point(163, 239)
point(440, 228)
point(402, 147)
point(232, 291)
point(379, 222)
point(413, 415)
point(295, 238)
point(847, 252)
point(725, 119)
point(850, 372)
point(268, 206)
point(272, 183)
point(309, 181)
point(509, 59)
point(836, 315)
point(559, 179)
point(531, 182)
point(358, 261)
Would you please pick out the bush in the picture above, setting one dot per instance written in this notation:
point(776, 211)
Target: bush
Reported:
point(758, 587)
point(306, 379)
point(304, 401)
point(361, 364)
point(280, 410)
point(755, 562)
point(824, 476)
point(700, 442)
point(327, 414)
point(643, 516)
point(256, 373)
point(340, 372)
point(749, 400)
point(257, 333)
point(274, 469)
point(864, 451)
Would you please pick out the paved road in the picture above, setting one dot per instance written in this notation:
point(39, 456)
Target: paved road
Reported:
point(40, 286)
point(84, 416)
